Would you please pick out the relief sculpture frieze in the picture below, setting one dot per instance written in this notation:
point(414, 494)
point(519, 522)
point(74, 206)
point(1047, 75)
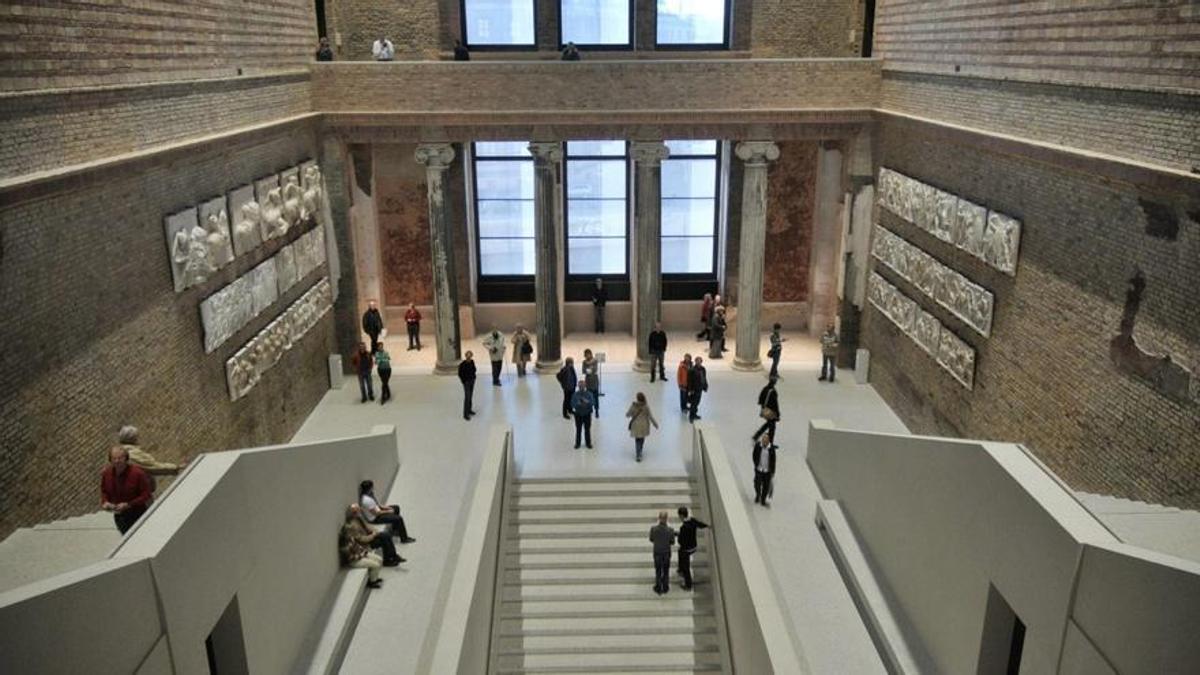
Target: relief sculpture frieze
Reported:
point(246, 368)
point(953, 354)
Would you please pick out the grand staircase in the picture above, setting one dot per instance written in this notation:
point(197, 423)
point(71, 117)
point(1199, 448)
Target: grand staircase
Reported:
point(577, 582)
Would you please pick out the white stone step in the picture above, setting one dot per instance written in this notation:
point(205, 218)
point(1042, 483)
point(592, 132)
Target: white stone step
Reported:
point(582, 643)
point(624, 671)
point(619, 625)
point(586, 544)
point(612, 660)
point(585, 480)
point(580, 591)
point(675, 603)
point(594, 575)
point(641, 528)
point(98, 520)
point(591, 516)
point(605, 501)
point(611, 487)
point(1104, 504)
point(566, 560)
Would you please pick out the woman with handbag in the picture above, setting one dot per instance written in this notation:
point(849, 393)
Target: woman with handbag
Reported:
point(768, 409)
point(640, 419)
point(522, 350)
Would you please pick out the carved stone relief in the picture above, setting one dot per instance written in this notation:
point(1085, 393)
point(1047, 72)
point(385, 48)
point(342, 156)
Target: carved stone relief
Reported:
point(960, 296)
point(293, 195)
point(947, 349)
point(187, 245)
point(214, 218)
point(927, 331)
point(225, 312)
point(246, 367)
point(313, 186)
point(244, 215)
point(285, 269)
point(988, 235)
point(264, 286)
point(958, 358)
point(270, 202)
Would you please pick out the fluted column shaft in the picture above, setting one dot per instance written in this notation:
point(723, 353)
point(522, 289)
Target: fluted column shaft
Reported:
point(648, 157)
point(547, 158)
point(436, 158)
point(756, 155)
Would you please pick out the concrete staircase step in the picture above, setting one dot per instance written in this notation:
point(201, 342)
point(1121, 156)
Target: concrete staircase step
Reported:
point(592, 575)
point(585, 544)
point(606, 501)
point(619, 661)
point(591, 625)
point(589, 529)
point(675, 603)
point(624, 671)
point(598, 516)
point(609, 487)
point(99, 520)
point(580, 591)
point(638, 559)
point(1104, 504)
point(582, 643)
point(581, 480)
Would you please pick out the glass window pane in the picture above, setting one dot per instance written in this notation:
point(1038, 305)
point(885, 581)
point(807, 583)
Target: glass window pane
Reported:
point(504, 180)
point(692, 147)
point(499, 22)
point(689, 217)
point(506, 256)
point(596, 218)
point(606, 148)
point(502, 149)
point(596, 256)
point(595, 22)
point(689, 178)
point(505, 219)
point(596, 179)
point(683, 22)
point(687, 255)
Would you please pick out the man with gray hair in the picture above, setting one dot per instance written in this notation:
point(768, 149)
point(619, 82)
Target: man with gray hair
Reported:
point(128, 438)
point(662, 536)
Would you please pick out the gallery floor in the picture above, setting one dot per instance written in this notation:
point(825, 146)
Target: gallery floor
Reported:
point(440, 454)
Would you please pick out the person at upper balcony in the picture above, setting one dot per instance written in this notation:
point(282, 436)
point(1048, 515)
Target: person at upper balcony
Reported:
point(570, 52)
point(383, 49)
point(324, 51)
point(461, 53)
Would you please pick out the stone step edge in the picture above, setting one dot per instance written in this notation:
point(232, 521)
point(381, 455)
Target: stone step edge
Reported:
point(608, 632)
point(602, 479)
point(588, 565)
point(622, 649)
point(606, 614)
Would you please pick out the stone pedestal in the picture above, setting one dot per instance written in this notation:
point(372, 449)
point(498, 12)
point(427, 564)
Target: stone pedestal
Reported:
point(436, 158)
point(755, 156)
point(335, 371)
point(826, 242)
point(862, 365)
point(547, 158)
point(647, 157)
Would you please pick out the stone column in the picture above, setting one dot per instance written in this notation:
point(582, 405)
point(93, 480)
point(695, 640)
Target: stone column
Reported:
point(547, 158)
point(436, 158)
point(826, 242)
point(755, 155)
point(647, 157)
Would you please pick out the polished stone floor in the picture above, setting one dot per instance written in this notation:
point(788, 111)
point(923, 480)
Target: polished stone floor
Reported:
point(440, 454)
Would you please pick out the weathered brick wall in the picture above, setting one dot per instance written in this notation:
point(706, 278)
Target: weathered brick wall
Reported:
point(72, 43)
point(791, 200)
point(50, 129)
point(1142, 44)
point(1157, 127)
point(596, 85)
point(402, 211)
point(1045, 377)
point(806, 28)
point(415, 27)
point(95, 336)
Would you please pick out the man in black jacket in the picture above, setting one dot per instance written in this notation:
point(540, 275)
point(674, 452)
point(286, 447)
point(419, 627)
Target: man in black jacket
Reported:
point(599, 300)
point(764, 468)
point(567, 379)
point(697, 384)
point(687, 545)
point(768, 409)
point(658, 351)
point(372, 324)
point(466, 375)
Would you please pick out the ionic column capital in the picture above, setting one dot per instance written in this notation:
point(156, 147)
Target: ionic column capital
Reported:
point(757, 153)
point(435, 156)
point(649, 153)
point(545, 152)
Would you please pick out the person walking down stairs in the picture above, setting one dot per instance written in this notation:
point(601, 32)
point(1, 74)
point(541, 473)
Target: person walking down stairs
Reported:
point(662, 536)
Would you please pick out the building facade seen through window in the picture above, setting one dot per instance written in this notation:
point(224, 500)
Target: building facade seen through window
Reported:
point(597, 223)
point(691, 23)
point(499, 23)
point(689, 207)
point(596, 23)
point(504, 210)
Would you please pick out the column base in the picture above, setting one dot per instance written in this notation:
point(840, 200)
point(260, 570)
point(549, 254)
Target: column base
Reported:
point(443, 368)
point(747, 364)
point(548, 366)
point(641, 365)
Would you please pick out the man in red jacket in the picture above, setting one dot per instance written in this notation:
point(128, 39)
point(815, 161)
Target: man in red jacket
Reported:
point(412, 319)
point(124, 489)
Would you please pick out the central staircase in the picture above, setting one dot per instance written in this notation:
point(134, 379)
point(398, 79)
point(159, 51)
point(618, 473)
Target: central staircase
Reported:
point(577, 577)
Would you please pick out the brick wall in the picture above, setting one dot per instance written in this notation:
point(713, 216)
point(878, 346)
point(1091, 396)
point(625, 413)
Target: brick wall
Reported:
point(415, 27)
point(596, 85)
point(103, 340)
point(791, 200)
point(72, 43)
point(1157, 127)
point(402, 211)
point(1045, 377)
point(1132, 44)
point(50, 129)
point(806, 28)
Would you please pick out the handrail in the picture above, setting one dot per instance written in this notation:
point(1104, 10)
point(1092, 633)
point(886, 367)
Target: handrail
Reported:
point(179, 478)
point(506, 493)
point(700, 470)
point(1066, 488)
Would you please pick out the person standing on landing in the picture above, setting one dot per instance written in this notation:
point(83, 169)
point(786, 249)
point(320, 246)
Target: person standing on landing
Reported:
point(591, 377)
point(363, 363)
point(372, 324)
point(124, 489)
point(829, 350)
point(494, 343)
point(383, 365)
point(582, 405)
point(466, 375)
point(522, 350)
point(640, 419)
point(764, 468)
point(662, 536)
point(706, 308)
point(681, 379)
point(599, 300)
point(768, 409)
point(716, 337)
point(697, 385)
point(776, 350)
point(568, 380)
point(412, 321)
point(687, 545)
point(658, 351)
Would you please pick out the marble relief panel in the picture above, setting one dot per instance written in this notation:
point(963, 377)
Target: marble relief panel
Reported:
point(292, 194)
point(269, 196)
point(187, 246)
point(285, 269)
point(264, 286)
point(225, 312)
point(948, 350)
point(244, 218)
point(214, 218)
point(957, 357)
point(927, 332)
point(246, 367)
point(969, 227)
point(1001, 241)
point(791, 202)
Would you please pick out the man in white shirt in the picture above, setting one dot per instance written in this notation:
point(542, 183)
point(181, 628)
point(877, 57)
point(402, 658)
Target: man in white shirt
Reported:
point(383, 49)
point(382, 515)
point(764, 468)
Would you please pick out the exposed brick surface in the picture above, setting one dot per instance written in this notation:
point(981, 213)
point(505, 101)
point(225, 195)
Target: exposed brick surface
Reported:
point(1133, 44)
point(1156, 127)
point(415, 27)
point(95, 337)
point(72, 43)
point(47, 130)
point(791, 201)
point(402, 211)
point(805, 28)
point(1045, 377)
